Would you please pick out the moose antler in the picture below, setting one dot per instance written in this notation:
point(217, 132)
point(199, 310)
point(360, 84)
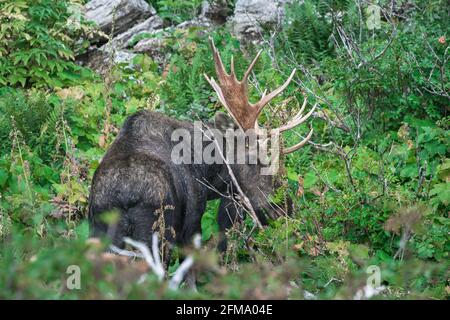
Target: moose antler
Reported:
point(233, 94)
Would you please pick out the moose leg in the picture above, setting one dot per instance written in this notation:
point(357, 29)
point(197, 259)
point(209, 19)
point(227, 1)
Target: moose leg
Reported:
point(194, 210)
point(191, 280)
point(227, 216)
point(143, 217)
point(191, 227)
point(148, 219)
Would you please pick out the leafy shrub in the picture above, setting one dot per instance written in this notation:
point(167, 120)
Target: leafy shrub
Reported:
point(177, 11)
point(37, 43)
point(372, 188)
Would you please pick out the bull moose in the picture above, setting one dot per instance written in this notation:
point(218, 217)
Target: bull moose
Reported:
point(139, 180)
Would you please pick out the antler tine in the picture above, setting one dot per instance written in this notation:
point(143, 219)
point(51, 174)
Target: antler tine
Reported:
point(216, 88)
point(297, 119)
point(300, 144)
point(220, 69)
point(266, 99)
point(233, 94)
point(232, 67)
point(219, 92)
point(250, 67)
point(298, 115)
point(264, 93)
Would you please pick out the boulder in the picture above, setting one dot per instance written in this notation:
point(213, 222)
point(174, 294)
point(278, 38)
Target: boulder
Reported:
point(250, 16)
point(156, 45)
point(216, 10)
point(98, 59)
point(148, 45)
point(148, 26)
point(200, 22)
point(125, 13)
point(153, 47)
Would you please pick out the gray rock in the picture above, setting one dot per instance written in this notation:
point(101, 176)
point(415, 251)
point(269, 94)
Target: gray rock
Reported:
point(148, 26)
point(123, 56)
point(153, 47)
point(200, 22)
point(127, 13)
point(251, 15)
point(216, 10)
point(99, 58)
point(149, 45)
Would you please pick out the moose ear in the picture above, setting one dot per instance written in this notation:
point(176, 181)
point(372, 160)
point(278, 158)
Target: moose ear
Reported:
point(222, 121)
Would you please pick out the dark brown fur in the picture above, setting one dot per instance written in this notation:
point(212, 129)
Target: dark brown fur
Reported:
point(137, 178)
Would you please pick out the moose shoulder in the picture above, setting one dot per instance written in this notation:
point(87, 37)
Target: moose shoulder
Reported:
point(139, 179)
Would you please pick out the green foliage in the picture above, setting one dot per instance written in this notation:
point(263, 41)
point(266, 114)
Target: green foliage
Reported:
point(209, 221)
point(308, 29)
point(24, 111)
point(177, 11)
point(185, 89)
point(37, 46)
point(372, 190)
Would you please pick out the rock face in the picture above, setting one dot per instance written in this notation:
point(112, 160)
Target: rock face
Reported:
point(154, 47)
point(136, 17)
point(125, 13)
point(99, 59)
point(148, 26)
point(132, 17)
point(216, 10)
point(251, 15)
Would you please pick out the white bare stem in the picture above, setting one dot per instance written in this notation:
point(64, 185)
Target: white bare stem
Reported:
point(176, 279)
point(155, 251)
point(126, 253)
point(158, 269)
point(179, 274)
point(154, 261)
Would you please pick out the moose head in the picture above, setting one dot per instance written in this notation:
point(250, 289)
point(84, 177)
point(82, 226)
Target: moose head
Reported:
point(233, 95)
